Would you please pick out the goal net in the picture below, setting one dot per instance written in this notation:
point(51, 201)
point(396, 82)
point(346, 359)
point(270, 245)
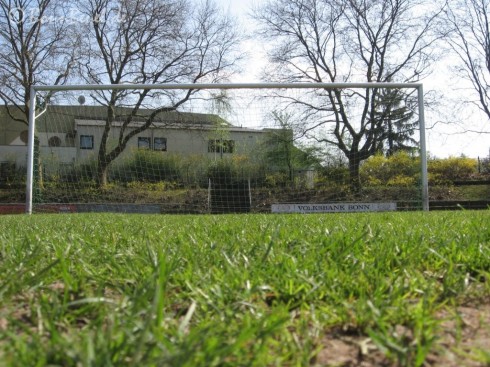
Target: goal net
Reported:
point(226, 148)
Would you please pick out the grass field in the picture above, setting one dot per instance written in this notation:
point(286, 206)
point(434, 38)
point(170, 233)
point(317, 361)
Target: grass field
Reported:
point(245, 290)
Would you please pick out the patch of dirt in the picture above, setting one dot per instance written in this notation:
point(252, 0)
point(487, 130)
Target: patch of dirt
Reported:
point(349, 351)
point(465, 334)
point(463, 338)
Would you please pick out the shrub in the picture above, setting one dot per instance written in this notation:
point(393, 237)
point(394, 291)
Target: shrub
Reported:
point(223, 171)
point(401, 180)
point(234, 169)
point(194, 170)
point(333, 174)
point(276, 179)
point(399, 169)
point(484, 166)
point(449, 169)
point(85, 172)
point(11, 175)
point(148, 166)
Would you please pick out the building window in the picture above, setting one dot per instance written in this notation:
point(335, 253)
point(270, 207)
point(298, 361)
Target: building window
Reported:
point(221, 146)
point(212, 147)
point(144, 142)
point(160, 144)
point(86, 142)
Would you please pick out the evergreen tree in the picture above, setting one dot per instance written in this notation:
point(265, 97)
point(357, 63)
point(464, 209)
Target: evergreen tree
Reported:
point(396, 122)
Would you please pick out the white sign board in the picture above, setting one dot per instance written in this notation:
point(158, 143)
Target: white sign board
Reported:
point(333, 208)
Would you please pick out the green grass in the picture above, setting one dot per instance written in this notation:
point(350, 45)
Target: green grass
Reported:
point(234, 290)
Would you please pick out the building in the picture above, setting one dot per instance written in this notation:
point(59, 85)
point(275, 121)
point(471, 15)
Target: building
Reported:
point(70, 135)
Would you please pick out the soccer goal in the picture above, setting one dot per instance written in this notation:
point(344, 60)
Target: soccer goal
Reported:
point(224, 148)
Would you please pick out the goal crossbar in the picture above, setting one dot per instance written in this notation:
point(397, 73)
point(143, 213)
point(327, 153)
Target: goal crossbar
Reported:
point(345, 85)
point(227, 86)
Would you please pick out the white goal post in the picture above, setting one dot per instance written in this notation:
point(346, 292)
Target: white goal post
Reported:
point(226, 86)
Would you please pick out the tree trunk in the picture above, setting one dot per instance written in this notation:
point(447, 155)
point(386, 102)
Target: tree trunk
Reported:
point(354, 177)
point(102, 161)
point(102, 168)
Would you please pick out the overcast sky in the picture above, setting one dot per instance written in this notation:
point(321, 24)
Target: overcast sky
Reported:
point(442, 140)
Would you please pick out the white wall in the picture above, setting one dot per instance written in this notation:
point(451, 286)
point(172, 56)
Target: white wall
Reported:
point(14, 153)
point(189, 141)
point(51, 157)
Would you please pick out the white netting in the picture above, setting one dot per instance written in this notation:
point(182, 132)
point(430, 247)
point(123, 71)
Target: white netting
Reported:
point(224, 151)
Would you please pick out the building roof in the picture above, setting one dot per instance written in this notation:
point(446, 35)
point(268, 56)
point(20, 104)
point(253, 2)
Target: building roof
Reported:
point(61, 118)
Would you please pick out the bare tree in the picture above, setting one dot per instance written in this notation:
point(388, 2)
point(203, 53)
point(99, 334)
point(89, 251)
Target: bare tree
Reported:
point(468, 36)
point(151, 42)
point(38, 46)
point(347, 40)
